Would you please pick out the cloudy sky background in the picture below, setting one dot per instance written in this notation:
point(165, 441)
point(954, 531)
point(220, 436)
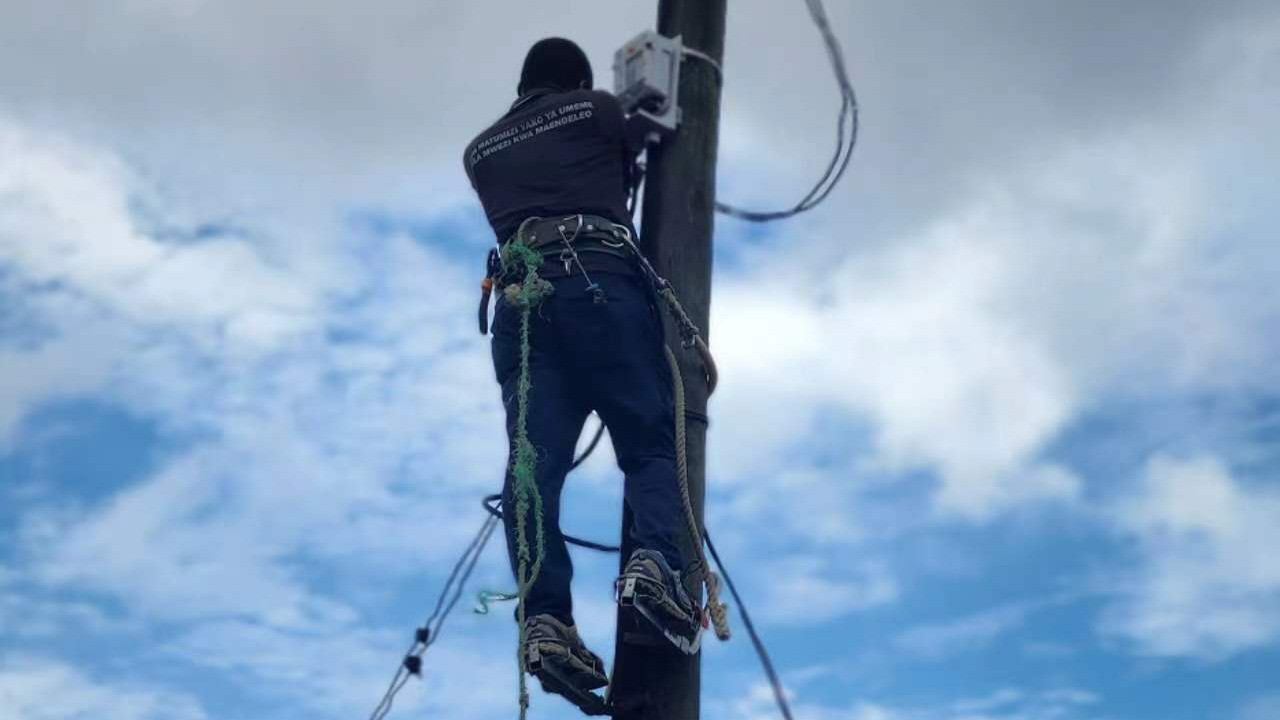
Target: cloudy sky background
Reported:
point(1005, 407)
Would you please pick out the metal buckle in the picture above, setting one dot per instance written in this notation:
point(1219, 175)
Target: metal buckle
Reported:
point(577, 228)
point(616, 229)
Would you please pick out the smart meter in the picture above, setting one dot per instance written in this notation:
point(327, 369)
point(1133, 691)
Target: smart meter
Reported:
point(646, 79)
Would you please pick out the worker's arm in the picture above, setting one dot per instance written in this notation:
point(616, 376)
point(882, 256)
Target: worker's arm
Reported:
point(629, 133)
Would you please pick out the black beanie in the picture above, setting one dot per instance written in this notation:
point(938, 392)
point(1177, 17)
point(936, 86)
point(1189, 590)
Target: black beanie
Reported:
point(557, 64)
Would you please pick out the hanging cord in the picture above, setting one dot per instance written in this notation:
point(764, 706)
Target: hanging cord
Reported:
point(846, 131)
point(426, 635)
point(714, 608)
point(525, 295)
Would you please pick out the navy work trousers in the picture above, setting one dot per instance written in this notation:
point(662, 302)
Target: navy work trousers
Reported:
point(584, 356)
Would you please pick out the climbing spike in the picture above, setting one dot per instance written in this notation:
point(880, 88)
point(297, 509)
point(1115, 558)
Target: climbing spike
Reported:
point(533, 659)
point(627, 595)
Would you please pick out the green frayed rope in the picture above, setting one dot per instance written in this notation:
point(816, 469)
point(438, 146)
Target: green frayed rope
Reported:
point(525, 295)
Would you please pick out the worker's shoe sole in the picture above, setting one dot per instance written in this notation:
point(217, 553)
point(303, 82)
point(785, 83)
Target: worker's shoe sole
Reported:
point(563, 665)
point(653, 589)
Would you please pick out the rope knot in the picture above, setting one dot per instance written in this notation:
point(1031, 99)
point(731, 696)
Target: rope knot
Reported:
point(718, 611)
point(529, 293)
point(518, 257)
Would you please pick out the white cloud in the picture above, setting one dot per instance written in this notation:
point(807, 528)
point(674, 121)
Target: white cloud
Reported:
point(804, 501)
point(67, 366)
point(1095, 270)
point(298, 108)
point(108, 292)
point(37, 689)
point(1208, 585)
point(964, 634)
point(917, 342)
point(360, 453)
point(41, 618)
point(1009, 703)
point(236, 101)
point(758, 703)
point(1262, 707)
point(167, 547)
point(68, 217)
point(808, 589)
point(1017, 704)
point(309, 456)
point(338, 671)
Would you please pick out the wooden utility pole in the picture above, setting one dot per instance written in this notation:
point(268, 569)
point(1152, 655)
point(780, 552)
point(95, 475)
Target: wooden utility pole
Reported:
point(655, 681)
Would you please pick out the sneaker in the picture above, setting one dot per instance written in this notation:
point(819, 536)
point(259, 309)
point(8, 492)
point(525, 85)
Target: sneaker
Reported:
point(650, 586)
point(562, 663)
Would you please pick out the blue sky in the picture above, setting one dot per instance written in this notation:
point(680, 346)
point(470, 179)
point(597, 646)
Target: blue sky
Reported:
point(996, 433)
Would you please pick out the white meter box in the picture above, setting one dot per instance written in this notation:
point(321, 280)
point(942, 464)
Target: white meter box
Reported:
point(646, 79)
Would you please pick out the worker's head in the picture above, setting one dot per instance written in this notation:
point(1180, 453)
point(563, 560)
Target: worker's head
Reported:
point(555, 64)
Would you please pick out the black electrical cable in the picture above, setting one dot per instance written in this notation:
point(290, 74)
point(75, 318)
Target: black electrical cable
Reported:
point(487, 532)
point(426, 635)
point(591, 447)
point(492, 505)
point(779, 693)
point(846, 132)
point(388, 699)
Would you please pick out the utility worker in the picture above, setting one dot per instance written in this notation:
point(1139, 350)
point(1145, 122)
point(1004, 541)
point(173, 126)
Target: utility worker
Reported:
point(558, 168)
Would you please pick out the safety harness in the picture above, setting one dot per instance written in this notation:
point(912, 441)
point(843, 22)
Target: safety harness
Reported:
point(515, 268)
point(561, 243)
point(566, 240)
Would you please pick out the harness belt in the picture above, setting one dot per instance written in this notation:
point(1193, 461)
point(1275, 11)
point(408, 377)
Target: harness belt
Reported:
point(602, 235)
point(539, 233)
point(560, 241)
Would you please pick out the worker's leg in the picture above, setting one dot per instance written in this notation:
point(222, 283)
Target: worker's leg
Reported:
point(617, 348)
point(555, 419)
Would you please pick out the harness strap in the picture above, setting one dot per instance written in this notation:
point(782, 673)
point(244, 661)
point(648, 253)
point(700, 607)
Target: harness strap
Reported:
point(543, 232)
point(558, 239)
